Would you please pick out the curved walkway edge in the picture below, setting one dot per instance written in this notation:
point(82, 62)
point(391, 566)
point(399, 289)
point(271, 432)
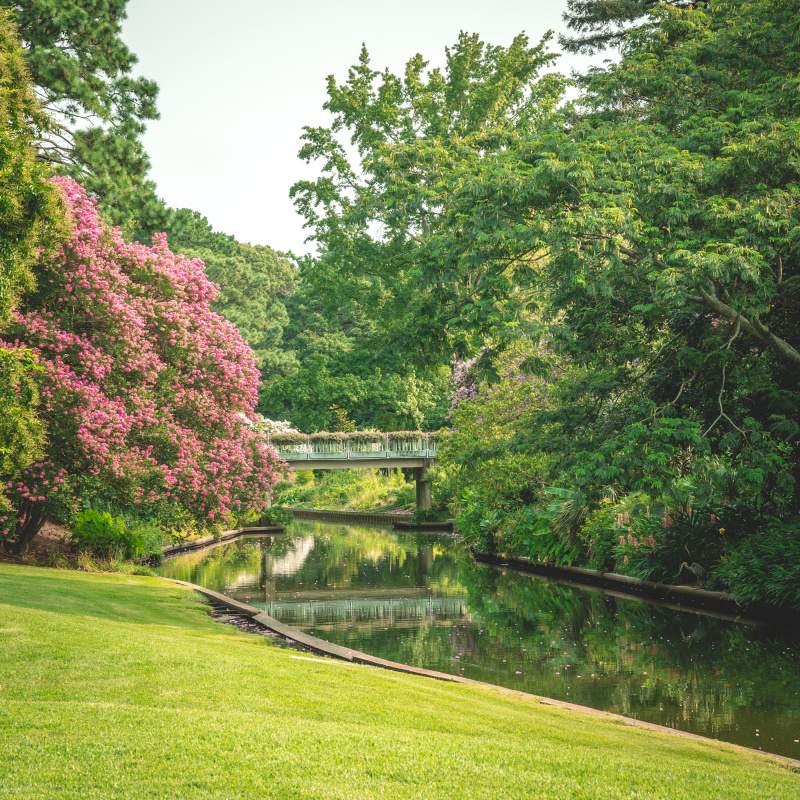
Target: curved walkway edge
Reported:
point(357, 657)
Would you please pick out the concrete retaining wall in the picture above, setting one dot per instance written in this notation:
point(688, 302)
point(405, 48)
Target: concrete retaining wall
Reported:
point(349, 517)
point(716, 604)
point(226, 536)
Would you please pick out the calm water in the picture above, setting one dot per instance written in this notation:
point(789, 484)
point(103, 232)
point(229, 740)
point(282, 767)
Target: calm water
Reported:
point(422, 600)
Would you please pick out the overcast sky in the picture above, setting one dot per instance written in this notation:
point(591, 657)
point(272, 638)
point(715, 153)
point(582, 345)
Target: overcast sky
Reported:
point(239, 79)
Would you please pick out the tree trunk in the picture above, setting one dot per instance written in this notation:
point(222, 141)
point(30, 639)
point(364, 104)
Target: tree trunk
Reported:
point(30, 518)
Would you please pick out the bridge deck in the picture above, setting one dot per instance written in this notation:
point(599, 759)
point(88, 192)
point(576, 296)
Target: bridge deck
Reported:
point(361, 463)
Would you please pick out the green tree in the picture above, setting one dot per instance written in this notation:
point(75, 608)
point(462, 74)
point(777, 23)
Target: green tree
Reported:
point(372, 335)
point(601, 24)
point(30, 218)
point(82, 73)
point(660, 228)
point(371, 214)
point(29, 206)
point(255, 282)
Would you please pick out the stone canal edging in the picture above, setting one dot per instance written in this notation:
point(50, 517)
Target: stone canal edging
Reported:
point(226, 536)
point(683, 598)
point(357, 657)
point(374, 517)
point(399, 521)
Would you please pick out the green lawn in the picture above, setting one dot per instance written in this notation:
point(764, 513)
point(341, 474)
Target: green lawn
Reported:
point(122, 687)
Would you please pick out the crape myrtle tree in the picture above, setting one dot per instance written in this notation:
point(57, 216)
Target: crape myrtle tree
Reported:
point(661, 225)
point(147, 393)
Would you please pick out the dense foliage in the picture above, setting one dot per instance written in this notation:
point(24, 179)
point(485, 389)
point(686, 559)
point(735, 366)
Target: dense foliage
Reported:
point(106, 536)
point(83, 75)
point(611, 284)
point(146, 391)
point(642, 248)
point(371, 334)
point(29, 220)
point(254, 282)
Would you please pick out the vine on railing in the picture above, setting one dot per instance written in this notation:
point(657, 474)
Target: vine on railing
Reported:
point(357, 444)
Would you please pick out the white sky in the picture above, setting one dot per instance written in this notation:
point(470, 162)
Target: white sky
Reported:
point(239, 79)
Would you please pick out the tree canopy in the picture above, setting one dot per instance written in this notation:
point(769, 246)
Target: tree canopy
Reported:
point(82, 72)
point(371, 214)
point(370, 332)
point(660, 229)
point(30, 219)
point(147, 392)
point(657, 229)
point(603, 24)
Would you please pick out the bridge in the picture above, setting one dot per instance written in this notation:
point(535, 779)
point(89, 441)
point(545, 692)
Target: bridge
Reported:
point(402, 611)
point(363, 450)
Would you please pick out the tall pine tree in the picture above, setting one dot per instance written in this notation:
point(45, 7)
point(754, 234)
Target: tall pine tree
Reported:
point(82, 73)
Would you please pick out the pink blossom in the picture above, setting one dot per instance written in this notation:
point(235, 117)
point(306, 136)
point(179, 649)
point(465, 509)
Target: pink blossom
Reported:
point(145, 388)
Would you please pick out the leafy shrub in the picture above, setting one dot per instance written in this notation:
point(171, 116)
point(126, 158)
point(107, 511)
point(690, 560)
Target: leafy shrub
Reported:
point(100, 533)
point(600, 531)
point(478, 522)
point(765, 567)
point(527, 532)
point(653, 547)
point(429, 515)
point(598, 535)
point(104, 535)
point(277, 515)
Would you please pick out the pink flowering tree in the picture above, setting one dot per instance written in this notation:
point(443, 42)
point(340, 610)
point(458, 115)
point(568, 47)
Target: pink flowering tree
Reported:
point(147, 394)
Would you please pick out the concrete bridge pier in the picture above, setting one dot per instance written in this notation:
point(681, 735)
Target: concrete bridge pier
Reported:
point(423, 488)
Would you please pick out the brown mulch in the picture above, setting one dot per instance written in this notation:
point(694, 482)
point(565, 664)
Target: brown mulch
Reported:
point(45, 548)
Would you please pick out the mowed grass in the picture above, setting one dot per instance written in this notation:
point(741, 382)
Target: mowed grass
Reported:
point(117, 686)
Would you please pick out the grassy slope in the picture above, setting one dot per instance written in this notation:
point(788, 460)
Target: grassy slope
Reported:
point(115, 686)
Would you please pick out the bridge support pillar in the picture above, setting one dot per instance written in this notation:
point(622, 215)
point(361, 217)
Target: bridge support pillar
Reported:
point(423, 487)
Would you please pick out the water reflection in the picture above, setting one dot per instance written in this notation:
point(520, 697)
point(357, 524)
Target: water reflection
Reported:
point(423, 601)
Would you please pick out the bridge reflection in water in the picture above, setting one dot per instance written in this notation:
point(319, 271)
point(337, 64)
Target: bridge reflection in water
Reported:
point(312, 606)
point(357, 611)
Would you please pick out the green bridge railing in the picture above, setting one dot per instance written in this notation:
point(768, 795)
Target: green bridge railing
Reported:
point(359, 445)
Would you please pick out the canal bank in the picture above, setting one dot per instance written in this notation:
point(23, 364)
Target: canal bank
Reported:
point(122, 687)
point(423, 601)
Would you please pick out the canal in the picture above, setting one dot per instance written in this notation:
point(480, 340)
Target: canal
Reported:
point(422, 600)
